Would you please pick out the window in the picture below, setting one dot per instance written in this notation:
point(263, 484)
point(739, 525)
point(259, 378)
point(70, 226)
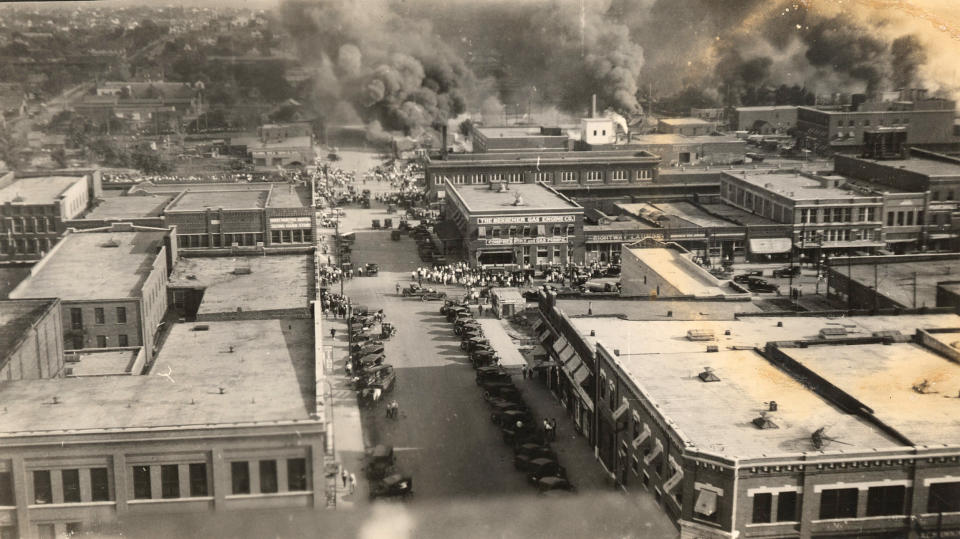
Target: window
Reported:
point(909, 218)
point(29, 225)
point(76, 318)
point(936, 195)
point(121, 315)
point(920, 217)
point(594, 175)
point(885, 500)
point(838, 503)
point(122, 340)
point(45, 531)
point(950, 194)
point(762, 503)
point(787, 506)
point(170, 481)
point(889, 218)
point(71, 485)
point(77, 341)
point(73, 528)
point(296, 474)
point(41, 224)
point(42, 491)
point(268, 476)
point(899, 218)
point(944, 498)
point(17, 226)
point(568, 177)
point(240, 477)
point(619, 175)
point(99, 485)
point(141, 483)
point(101, 341)
point(643, 174)
point(515, 178)
point(98, 317)
point(198, 479)
point(6, 490)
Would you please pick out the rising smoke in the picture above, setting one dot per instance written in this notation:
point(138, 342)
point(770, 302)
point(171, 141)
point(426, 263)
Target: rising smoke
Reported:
point(409, 65)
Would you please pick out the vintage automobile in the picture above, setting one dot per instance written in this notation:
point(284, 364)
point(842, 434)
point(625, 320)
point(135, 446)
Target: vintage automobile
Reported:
point(473, 343)
point(756, 284)
point(369, 347)
point(392, 486)
point(554, 484)
point(519, 431)
point(376, 223)
point(504, 390)
point(489, 375)
point(535, 451)
point(382, 376)
point(467, 326)
point(388, 222)
point(371, 269)
point(459, 302)
point(359, 338)
point(387, 330)
point(380, 461)
point(789, 271)
point(395, 235)
point(432, 295)
point(540, 468)
point(498, 406)
point(454, 311)
point(369, 361)
point(483, 357)
point(510, 417)
point(468, 334)
point(744, 278)
point(413, 290)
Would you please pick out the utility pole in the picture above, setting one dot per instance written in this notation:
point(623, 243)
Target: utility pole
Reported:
point(876, 291)
point(914, 290)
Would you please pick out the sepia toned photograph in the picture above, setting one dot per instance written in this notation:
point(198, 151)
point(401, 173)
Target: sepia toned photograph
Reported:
point(480, 269)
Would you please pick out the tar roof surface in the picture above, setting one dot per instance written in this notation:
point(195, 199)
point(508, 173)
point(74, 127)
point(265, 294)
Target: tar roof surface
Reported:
point(792, 186)
point(114, 206)
point(691, 213)
point(684, 121)
point(929, 167)
point(677, 138)
point(535, 197)
point(516, 132)
point(656, 309)
point(737, 215)
point(662, 361)
point(289, 196)
point(267, 377)
point(274, 282)
point(896, 280)
point(677, 270)
point(201, 200)
point(93, 362)
point(37, 190)
point(85, 266)
point(883, 376)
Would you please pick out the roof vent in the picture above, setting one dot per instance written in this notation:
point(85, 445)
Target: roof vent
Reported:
point(517, 199)
point(700, 335)
point(201, 327)
point(191, 277)
point(242, 271)
point(110, 243)
point(712, 348)
point(17, 198)
point(833, 331)
point(708, 376)
point(764, 422)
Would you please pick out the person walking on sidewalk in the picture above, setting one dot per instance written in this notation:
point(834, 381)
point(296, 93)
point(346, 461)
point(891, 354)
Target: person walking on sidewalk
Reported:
point(345, 476)
point(523, 370)
point(353, 483)
point(333, 333)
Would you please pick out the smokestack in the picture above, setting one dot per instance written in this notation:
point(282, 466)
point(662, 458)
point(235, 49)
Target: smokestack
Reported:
point(593, 107)
point(443, 141)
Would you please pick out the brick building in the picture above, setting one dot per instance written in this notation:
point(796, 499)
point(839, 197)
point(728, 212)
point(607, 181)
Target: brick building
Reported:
point(33, 210)
point(515, 225)
point(691, 127)
point(31, 339)
point(111, 283)
point(758, 427)
point(768, 120)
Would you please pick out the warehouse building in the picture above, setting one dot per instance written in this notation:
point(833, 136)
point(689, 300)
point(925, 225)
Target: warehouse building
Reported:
point(767, 120)
point(111, 283)
point(31, 339)
point(893, 281)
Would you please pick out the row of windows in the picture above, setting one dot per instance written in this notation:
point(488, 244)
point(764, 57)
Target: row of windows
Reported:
point(904, 218)
point(31, 245)
point(240, 476)
point(187, 241)
point(291, 236)
point(30, 225)
point(846, 234)
point(99, 316)
point(947, 195)
point(70, 486)
point(170, 481)
point(837, 215)
point(546, 177)
point(526, 231)
point(843, 502)
point(866, 122)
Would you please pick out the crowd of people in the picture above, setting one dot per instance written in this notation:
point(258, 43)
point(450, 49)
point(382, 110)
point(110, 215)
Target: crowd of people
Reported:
point(225, 177)
point(462, 274)
point(334, 305)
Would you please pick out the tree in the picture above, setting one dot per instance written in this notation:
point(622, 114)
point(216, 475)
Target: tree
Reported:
point(10, 148)
point(149, 162)
point(59, 156)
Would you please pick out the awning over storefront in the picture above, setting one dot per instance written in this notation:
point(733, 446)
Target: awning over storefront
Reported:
point(544, 335)
point(559, 344)
point(569, 358)
point(768, 246)
point(706, 502)
point(581, 375)
point(537, 324)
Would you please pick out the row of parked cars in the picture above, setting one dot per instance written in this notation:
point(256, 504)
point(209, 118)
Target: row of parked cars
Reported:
point(755, 282)
point(532, 452)
point(425, 245)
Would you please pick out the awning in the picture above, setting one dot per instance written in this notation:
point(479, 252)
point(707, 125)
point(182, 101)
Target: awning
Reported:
point(766, 246)
point(643, 436)
point(675, 478)
point(569, 359)
point(658, 447)
point(706, 503)
point(544, 335)
point(537, 324)
point(622, 409)
point(559, 344)
point(580, 375)
point(538, 351)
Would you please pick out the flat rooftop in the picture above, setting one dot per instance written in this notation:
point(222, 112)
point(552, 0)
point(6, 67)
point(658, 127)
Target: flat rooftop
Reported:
point(676, 138)
point(664, 363)
point(267, 377)
point(228, 200)
point(517, 132)
point(792, 186)
point(273, 282)
point(117, 206)
point(94, 362)
point(628, 309)
point(763, 108)
point(927, 167)
point(895, 280)
point(254, 143)
point(546, 158)
point(94, 265)
point(736, 215)
point(16, 317)
point(676, 269)
point(675, 214)
point(883, 377)
point(535, 197)
point(684, 121)
point(289, 196)
point(37, 190)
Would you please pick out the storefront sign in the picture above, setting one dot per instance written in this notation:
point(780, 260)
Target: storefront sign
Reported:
point(288, 223)
point(526, 219)
point(525, 241)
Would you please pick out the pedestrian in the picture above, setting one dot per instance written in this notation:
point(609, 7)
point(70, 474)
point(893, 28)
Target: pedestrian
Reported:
point(333, 333)
point(398, 289)
point(345, 476)
point(348, 367)
point(553, 428)
point(523, 370)
point(546, 429)
point(353, 483)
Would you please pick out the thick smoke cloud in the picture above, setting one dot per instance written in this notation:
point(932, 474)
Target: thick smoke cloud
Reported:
point(908, 55)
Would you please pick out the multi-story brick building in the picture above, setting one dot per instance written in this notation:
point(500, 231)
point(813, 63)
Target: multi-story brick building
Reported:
point(31, 339)
point(111, 283)
point(762, 427)
point(515, 225)
point(33, 210)
point(691, 127)
point(768, 120)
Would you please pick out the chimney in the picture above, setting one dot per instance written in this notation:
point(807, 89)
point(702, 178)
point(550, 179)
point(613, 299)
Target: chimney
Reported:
point(443, 141)
point(593, 108)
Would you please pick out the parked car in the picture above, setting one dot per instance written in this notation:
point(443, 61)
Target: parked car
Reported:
point(506, 391)
point(756, 284)
point(510, 417)
point(535, 451)
point(454, 310)
point(487, 375)
point(744, 278)
point(483, 356)
point(380, 461)
point(392, 486)
point(368, 348)
point(459, 302)
point(371, 269)
point(789, 271)
point(554, 484)
point(540, 468)
point(382, 376)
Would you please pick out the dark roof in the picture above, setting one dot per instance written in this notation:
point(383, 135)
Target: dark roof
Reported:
point(16, 317)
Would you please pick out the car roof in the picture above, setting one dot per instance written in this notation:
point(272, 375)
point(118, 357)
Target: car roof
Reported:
point(382, 450)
